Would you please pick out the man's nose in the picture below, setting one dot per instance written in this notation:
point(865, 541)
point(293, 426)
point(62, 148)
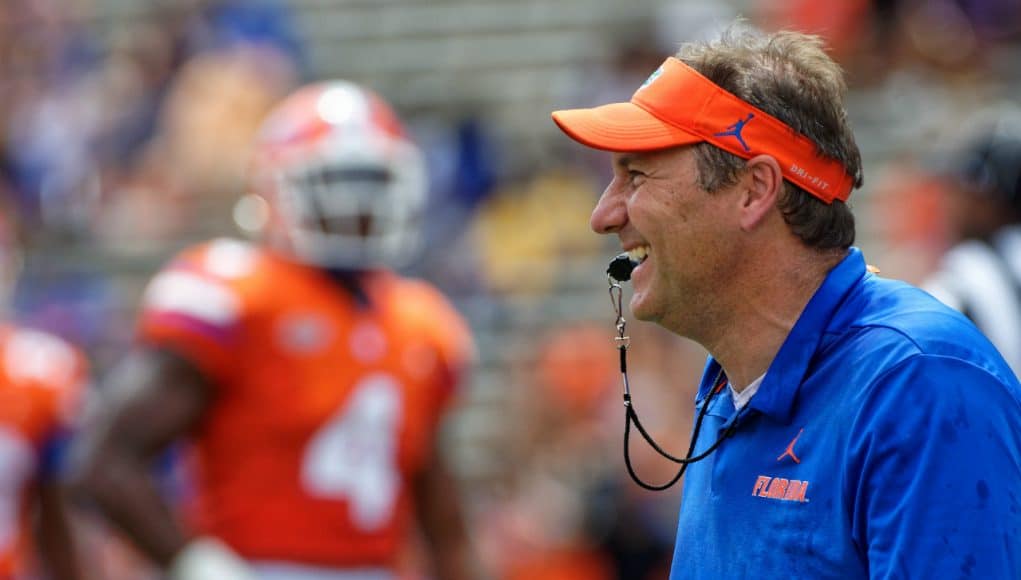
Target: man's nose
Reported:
point(610, 213)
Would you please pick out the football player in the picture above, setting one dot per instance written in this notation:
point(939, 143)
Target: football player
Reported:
point(309, 380)
point(41, 381)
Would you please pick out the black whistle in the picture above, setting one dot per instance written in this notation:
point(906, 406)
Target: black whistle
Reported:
point(620, 267)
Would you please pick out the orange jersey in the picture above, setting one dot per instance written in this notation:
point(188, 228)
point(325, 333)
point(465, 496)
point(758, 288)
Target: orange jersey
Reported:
point(41, 380)
point(324, 408)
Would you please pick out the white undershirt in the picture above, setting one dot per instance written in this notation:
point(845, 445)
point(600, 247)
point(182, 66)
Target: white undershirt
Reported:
point(741, 398)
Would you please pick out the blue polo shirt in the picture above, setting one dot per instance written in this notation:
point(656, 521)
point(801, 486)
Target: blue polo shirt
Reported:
point(884, 442)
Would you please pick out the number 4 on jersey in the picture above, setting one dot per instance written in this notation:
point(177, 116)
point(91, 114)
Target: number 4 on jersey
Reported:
point(353, 456)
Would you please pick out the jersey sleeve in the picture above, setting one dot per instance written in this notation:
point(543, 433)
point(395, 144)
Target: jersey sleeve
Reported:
point(447, 337)
point(195, 313)
point(456, 349)
point(935, 473)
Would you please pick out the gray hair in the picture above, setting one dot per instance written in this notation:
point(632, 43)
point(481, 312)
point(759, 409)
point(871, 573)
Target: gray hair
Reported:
point(789, 76)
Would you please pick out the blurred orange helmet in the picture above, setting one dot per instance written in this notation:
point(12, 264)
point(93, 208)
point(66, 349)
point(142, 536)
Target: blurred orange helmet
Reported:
point(345, 186)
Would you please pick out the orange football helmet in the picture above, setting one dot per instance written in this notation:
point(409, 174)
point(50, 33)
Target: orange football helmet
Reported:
point(343, 184)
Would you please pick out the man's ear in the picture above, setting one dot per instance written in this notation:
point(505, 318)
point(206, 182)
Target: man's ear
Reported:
point(761, 183)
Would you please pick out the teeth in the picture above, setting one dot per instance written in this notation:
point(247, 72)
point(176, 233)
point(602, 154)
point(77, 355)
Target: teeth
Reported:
point(638, 254)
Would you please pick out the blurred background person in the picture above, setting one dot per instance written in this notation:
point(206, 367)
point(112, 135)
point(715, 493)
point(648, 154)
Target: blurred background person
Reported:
point(908, 214)
point(540, 527)
point(42, 380)
point(565, 508)
point(309, 381)
point(981, 274)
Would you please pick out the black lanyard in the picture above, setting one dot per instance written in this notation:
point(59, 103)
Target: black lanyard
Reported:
point(630, 415)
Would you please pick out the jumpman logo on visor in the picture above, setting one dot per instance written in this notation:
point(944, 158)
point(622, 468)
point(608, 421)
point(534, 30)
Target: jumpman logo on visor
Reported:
point(735, 131)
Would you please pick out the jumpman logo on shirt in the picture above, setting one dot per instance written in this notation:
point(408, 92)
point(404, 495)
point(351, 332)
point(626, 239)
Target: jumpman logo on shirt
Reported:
point(735, 131)
point(790, 449)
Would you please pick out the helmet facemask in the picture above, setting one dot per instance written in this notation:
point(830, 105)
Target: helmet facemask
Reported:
point(354, 205)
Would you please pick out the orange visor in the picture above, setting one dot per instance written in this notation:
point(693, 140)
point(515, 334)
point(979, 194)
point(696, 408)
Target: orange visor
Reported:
point(679, 106)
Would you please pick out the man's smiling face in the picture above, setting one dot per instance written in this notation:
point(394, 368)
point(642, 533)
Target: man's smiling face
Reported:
point(681, 234)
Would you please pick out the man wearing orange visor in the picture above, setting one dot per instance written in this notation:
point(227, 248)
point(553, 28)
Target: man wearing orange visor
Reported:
point(849, 426)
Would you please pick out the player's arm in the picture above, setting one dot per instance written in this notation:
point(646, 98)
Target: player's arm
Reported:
point(441, 516)
point(55, 534)
point(153, 398)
